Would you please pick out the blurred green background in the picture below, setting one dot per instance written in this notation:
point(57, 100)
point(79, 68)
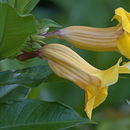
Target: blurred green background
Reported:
point(114, 113)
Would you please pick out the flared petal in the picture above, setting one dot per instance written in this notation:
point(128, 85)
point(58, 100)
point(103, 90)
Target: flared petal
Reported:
point(89, 103)
point(124, 44)
point(101, 96)
point(124, 18)
point(92, 101)
point(110, 76)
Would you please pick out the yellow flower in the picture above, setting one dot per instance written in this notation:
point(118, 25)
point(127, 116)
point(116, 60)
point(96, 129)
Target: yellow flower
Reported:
point(69, 65)
point(123, 42)
point(101, 39)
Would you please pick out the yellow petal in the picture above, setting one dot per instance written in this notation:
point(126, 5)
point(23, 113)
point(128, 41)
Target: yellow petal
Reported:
point(124, 68)
point(92, 101)
point(124, 44)
point(124, 18)
point(89, 103)
point(110, 76)
point(100, 97)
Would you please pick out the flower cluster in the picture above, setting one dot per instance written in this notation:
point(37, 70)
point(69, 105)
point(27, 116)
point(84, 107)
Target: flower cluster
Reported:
point(69, 65)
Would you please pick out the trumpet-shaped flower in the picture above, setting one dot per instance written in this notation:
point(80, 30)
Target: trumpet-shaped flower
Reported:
point(123, 42)
point(69, 65)
point(101, 39)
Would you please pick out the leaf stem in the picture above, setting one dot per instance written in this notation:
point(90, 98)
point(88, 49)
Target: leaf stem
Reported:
point(28, 55)
point(52, 34)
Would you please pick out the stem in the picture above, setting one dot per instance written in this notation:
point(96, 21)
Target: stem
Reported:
point(52, 34)
point(28, 55)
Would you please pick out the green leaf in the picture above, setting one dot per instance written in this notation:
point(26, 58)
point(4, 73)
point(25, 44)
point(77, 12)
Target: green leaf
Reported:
point(38, 115)
point(57, 89)
point(26, 6)
point(14, 30)
point(29, 77)
point(12, 92)
point(61, 90)
point(17, 84)
point(45, 23)
point(23, 6)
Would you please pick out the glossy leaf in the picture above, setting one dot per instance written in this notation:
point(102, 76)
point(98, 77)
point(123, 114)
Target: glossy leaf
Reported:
point(29, 77)
point(23, 6)
point(14, 30)
point(26, 6)
point(58, 89)
point(61, 90)
point(10, 93)
point(38, 115)
point(17, 84)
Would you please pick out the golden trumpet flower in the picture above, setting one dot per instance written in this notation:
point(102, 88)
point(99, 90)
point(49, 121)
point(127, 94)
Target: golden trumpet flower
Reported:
point(101, 39)
point(69, 65)
point(123, 42)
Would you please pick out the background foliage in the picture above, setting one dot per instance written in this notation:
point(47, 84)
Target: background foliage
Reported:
point(43, 85)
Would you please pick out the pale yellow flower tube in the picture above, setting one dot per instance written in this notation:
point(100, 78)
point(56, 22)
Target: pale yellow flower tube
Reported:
point(89, 38)
point(101, 39)
point(69, 65)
